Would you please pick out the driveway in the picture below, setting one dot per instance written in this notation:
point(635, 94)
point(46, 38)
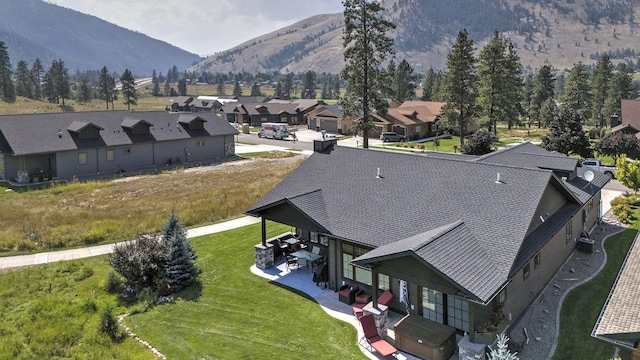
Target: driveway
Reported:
point(610, 191)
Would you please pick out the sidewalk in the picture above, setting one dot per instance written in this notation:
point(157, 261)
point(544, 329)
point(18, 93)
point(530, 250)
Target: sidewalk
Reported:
point(11, 262)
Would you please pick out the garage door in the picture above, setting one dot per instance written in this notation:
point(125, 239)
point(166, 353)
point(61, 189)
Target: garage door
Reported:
point(331, 126)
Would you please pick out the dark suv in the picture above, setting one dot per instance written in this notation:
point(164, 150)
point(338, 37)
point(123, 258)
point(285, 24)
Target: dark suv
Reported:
point(387, 136)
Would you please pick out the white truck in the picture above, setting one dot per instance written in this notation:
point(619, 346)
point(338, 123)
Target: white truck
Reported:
point(274, 131)
point(597, 165)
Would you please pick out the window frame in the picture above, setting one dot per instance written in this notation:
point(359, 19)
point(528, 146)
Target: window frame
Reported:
point(83, 158)
point(526, 271)
point(110, 154)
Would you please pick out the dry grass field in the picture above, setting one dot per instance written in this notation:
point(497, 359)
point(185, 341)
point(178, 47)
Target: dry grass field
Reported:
point(95, 212)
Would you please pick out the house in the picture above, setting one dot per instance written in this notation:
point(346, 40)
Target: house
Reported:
point(329, 118)
point(82, 144)
point(180, 104)
point(619, 323)
point(257, 113)
point(414, 119)
point(303, 106)
point(475, 238)
point(630, 115)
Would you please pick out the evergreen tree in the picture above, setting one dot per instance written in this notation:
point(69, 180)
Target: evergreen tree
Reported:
point(277, 93)
point(255, 89)
point(156, 84)
point(23, 82)
point(105, 86)
point(461, 85)
point(37, 71)
point(404, 82)
point(220, 86)
point(288, 86)
point(84, 94)
point(428, 84)
point(621, 87)
point(182, 87)
point(7, 89)
point(61, 80)
point(500, 83)
point(309, 91)
point(576, 90)
point(478, 144)
point(326, 90)
point(600, 79)
point(129, 89)
point(566, 135)
point(501, 352)
point(335, 87)
point(386, 85)
point(237, 90)
point(179, 260)
point(167, 87)
point(366, 46)
point(543, 87)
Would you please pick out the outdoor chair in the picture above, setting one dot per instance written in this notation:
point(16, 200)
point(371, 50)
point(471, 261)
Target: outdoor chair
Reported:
point(375, 342)
point(302, 262)
point(315, 250)
point(382, 300)
point(291, 260)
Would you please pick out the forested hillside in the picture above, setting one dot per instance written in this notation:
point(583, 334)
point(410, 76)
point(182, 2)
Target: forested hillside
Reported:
point(545, 32)
point(35, 29)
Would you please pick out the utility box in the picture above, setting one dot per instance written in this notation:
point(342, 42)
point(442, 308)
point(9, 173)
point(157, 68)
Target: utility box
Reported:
point(245, 128)
point(586, 245)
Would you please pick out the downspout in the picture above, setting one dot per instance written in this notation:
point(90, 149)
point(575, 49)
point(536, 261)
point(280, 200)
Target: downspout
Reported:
point(264, 231)
point(97, 163)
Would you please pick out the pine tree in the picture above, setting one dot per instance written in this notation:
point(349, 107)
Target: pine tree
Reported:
point(105, 86)
point(576, 90)
point(404, 82)
point(461, 84)
point(428, 84)
point(309, 91)
point(156, 84)
point(179, 261)
point(6, 85)
point(182, 87)
point(366, 46)
point(255, 89)
point(84, 91)
point(621, 87)
point(61, 80)
point(277, 93)
point(220, 86)
point(543, 89)
point(23, 82)
point(600, 79)
point(129, 89)
point(288, 86)
point(37, 71)
point(237, 90)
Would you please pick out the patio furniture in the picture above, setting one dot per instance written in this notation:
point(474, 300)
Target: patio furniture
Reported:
point(362, 297)
point(307, 255)
point(302, 262)
point(347, 294)
point(291, 260)
point(375, 342)
point(315, 250)
point(384, 299)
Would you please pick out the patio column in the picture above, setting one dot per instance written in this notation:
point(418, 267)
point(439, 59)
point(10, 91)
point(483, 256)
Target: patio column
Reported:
point(374, 286)
point(264, 251)
point(380, 315)
point(264, 231)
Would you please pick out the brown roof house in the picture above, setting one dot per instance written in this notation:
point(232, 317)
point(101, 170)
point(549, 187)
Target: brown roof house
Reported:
point(414, 119)
point(475, 239)
point(629, 120)
point(329, 118)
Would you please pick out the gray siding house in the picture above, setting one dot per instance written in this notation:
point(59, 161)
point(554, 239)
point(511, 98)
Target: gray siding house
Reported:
point(474, 238)
point(75, 145)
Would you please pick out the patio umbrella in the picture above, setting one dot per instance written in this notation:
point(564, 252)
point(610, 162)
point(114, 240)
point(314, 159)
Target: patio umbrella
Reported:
point(404, 294)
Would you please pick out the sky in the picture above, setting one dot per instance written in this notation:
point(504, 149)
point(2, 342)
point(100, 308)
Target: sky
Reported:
point(203, 27)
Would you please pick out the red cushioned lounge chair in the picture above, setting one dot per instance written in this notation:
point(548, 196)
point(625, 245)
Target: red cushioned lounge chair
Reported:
point(381, 346)
point(382, 300)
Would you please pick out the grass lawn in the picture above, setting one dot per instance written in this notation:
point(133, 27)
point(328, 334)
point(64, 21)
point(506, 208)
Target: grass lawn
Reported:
point(53, 311)
point(239, 315)
point(582, 306)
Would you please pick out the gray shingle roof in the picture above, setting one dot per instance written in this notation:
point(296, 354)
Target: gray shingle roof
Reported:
point(47, 133)
point(417, 194)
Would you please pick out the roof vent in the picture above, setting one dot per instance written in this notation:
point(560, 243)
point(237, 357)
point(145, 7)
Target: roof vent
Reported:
point(541, 218)
point(498, 181)
point(59, 133)
point(564, 179)
point(378, 176)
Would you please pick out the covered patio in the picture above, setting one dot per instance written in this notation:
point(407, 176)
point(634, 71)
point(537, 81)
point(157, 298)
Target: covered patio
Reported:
point(301, 280)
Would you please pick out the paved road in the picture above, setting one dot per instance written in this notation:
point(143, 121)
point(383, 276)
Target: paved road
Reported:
point(63, 255)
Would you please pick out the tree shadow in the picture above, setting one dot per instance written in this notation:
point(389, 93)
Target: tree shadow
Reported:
point(192, 292)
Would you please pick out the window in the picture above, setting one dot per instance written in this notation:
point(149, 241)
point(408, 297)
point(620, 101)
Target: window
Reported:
point(432, 308)
point(83, 158)
point(111, 154)
point(568, 231)
point(383, 282)
point(502, 296)
point(126, 151)
point(283, 119)
point(1, 162)
point(200, 143)
point(458, 313)
point(313, 237)
point(536, 260)
point(525, 271)
point(350, 252)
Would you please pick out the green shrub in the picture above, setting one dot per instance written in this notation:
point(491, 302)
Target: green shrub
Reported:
point(593, 133)
point(623, 213)
point(604, 132)
point(620, 200)
point(90, 305)
point(112, 283)
point(84, 273)
point(109, 324)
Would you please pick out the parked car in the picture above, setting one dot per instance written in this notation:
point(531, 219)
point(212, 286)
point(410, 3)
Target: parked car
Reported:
point(596, 164)
point(391, 136)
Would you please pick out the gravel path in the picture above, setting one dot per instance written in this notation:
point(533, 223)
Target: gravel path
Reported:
point(541, 320)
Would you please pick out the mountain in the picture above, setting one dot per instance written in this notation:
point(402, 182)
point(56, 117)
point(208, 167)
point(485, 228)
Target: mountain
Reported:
point(554, 32)
point(33, 28)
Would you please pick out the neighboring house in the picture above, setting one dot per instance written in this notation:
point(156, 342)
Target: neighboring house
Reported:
point(180, 104)
point(414, 119)
point(329, 118)
point(303, 106)
point(472, 236)
point(81, 144)
point(626, 129)
point(630, 114)
point(257, 113)
point(619, 323)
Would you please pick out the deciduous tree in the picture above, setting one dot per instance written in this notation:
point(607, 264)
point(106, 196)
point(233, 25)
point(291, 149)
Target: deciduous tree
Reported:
point(566, 135)
point(619, 143)
point(479, 143)
point(366, 46)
